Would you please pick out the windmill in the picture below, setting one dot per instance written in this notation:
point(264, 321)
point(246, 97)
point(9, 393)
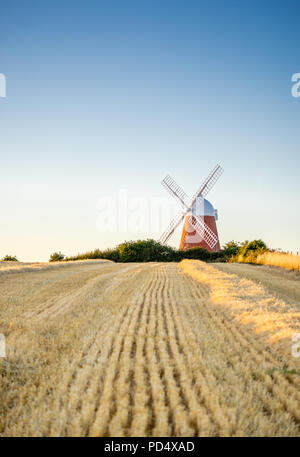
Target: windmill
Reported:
point(200, 228)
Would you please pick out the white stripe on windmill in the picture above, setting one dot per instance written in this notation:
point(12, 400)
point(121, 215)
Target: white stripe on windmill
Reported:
point(200, 227)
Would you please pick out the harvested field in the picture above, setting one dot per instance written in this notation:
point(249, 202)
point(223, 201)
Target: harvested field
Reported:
point(104, 349)
point(284, 283)
point(22, 267)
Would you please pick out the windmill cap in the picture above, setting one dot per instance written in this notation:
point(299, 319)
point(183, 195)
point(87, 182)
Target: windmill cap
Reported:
point(203, 207)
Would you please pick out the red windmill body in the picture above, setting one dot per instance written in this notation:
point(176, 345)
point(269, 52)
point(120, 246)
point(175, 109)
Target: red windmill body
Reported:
point(200, 228)
point(190, 238)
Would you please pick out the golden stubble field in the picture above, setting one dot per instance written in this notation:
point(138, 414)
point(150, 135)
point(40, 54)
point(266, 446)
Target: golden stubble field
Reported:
point(104, 349)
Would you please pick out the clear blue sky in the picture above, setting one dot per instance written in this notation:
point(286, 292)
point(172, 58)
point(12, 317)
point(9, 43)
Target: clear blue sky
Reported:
point(109, 95)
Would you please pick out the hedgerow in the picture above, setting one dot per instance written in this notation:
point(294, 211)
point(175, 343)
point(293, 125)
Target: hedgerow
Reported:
point(153, 251)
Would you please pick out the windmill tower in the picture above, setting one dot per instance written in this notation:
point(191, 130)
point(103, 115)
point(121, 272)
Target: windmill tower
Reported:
point(200, 228)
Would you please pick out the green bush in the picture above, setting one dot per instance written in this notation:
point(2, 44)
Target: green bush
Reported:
point(197, 254)
point(231, 249)
point(109, 254)
point(56, 257)
point(207, 256)
point(9, 258)
point(134, 251)
point(146, 251)
point(153, 251)
point(252, 248)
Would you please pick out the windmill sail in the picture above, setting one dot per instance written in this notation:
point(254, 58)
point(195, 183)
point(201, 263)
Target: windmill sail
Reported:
point(175, 190)
point(172, 227)
point(208, 183)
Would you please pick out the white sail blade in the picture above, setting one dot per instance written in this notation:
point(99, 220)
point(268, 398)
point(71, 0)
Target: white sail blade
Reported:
point(208, 183)
point(172, 226)
point(175, 190)
point(204, 231)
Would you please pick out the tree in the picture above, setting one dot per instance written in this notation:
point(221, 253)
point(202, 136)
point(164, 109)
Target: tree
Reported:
point(231, 248)
point(9, 258)
point(254, 247)
point(56, 257)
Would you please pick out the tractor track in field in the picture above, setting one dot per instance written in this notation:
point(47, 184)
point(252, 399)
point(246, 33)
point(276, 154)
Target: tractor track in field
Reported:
point(141, 350)
point(59, 305)
point(254, 356)
point(241, 336)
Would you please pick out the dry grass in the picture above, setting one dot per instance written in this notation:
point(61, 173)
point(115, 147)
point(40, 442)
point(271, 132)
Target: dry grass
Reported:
point(285, 284)
point(22, 267)
point(145, 350)
point(275, 259)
